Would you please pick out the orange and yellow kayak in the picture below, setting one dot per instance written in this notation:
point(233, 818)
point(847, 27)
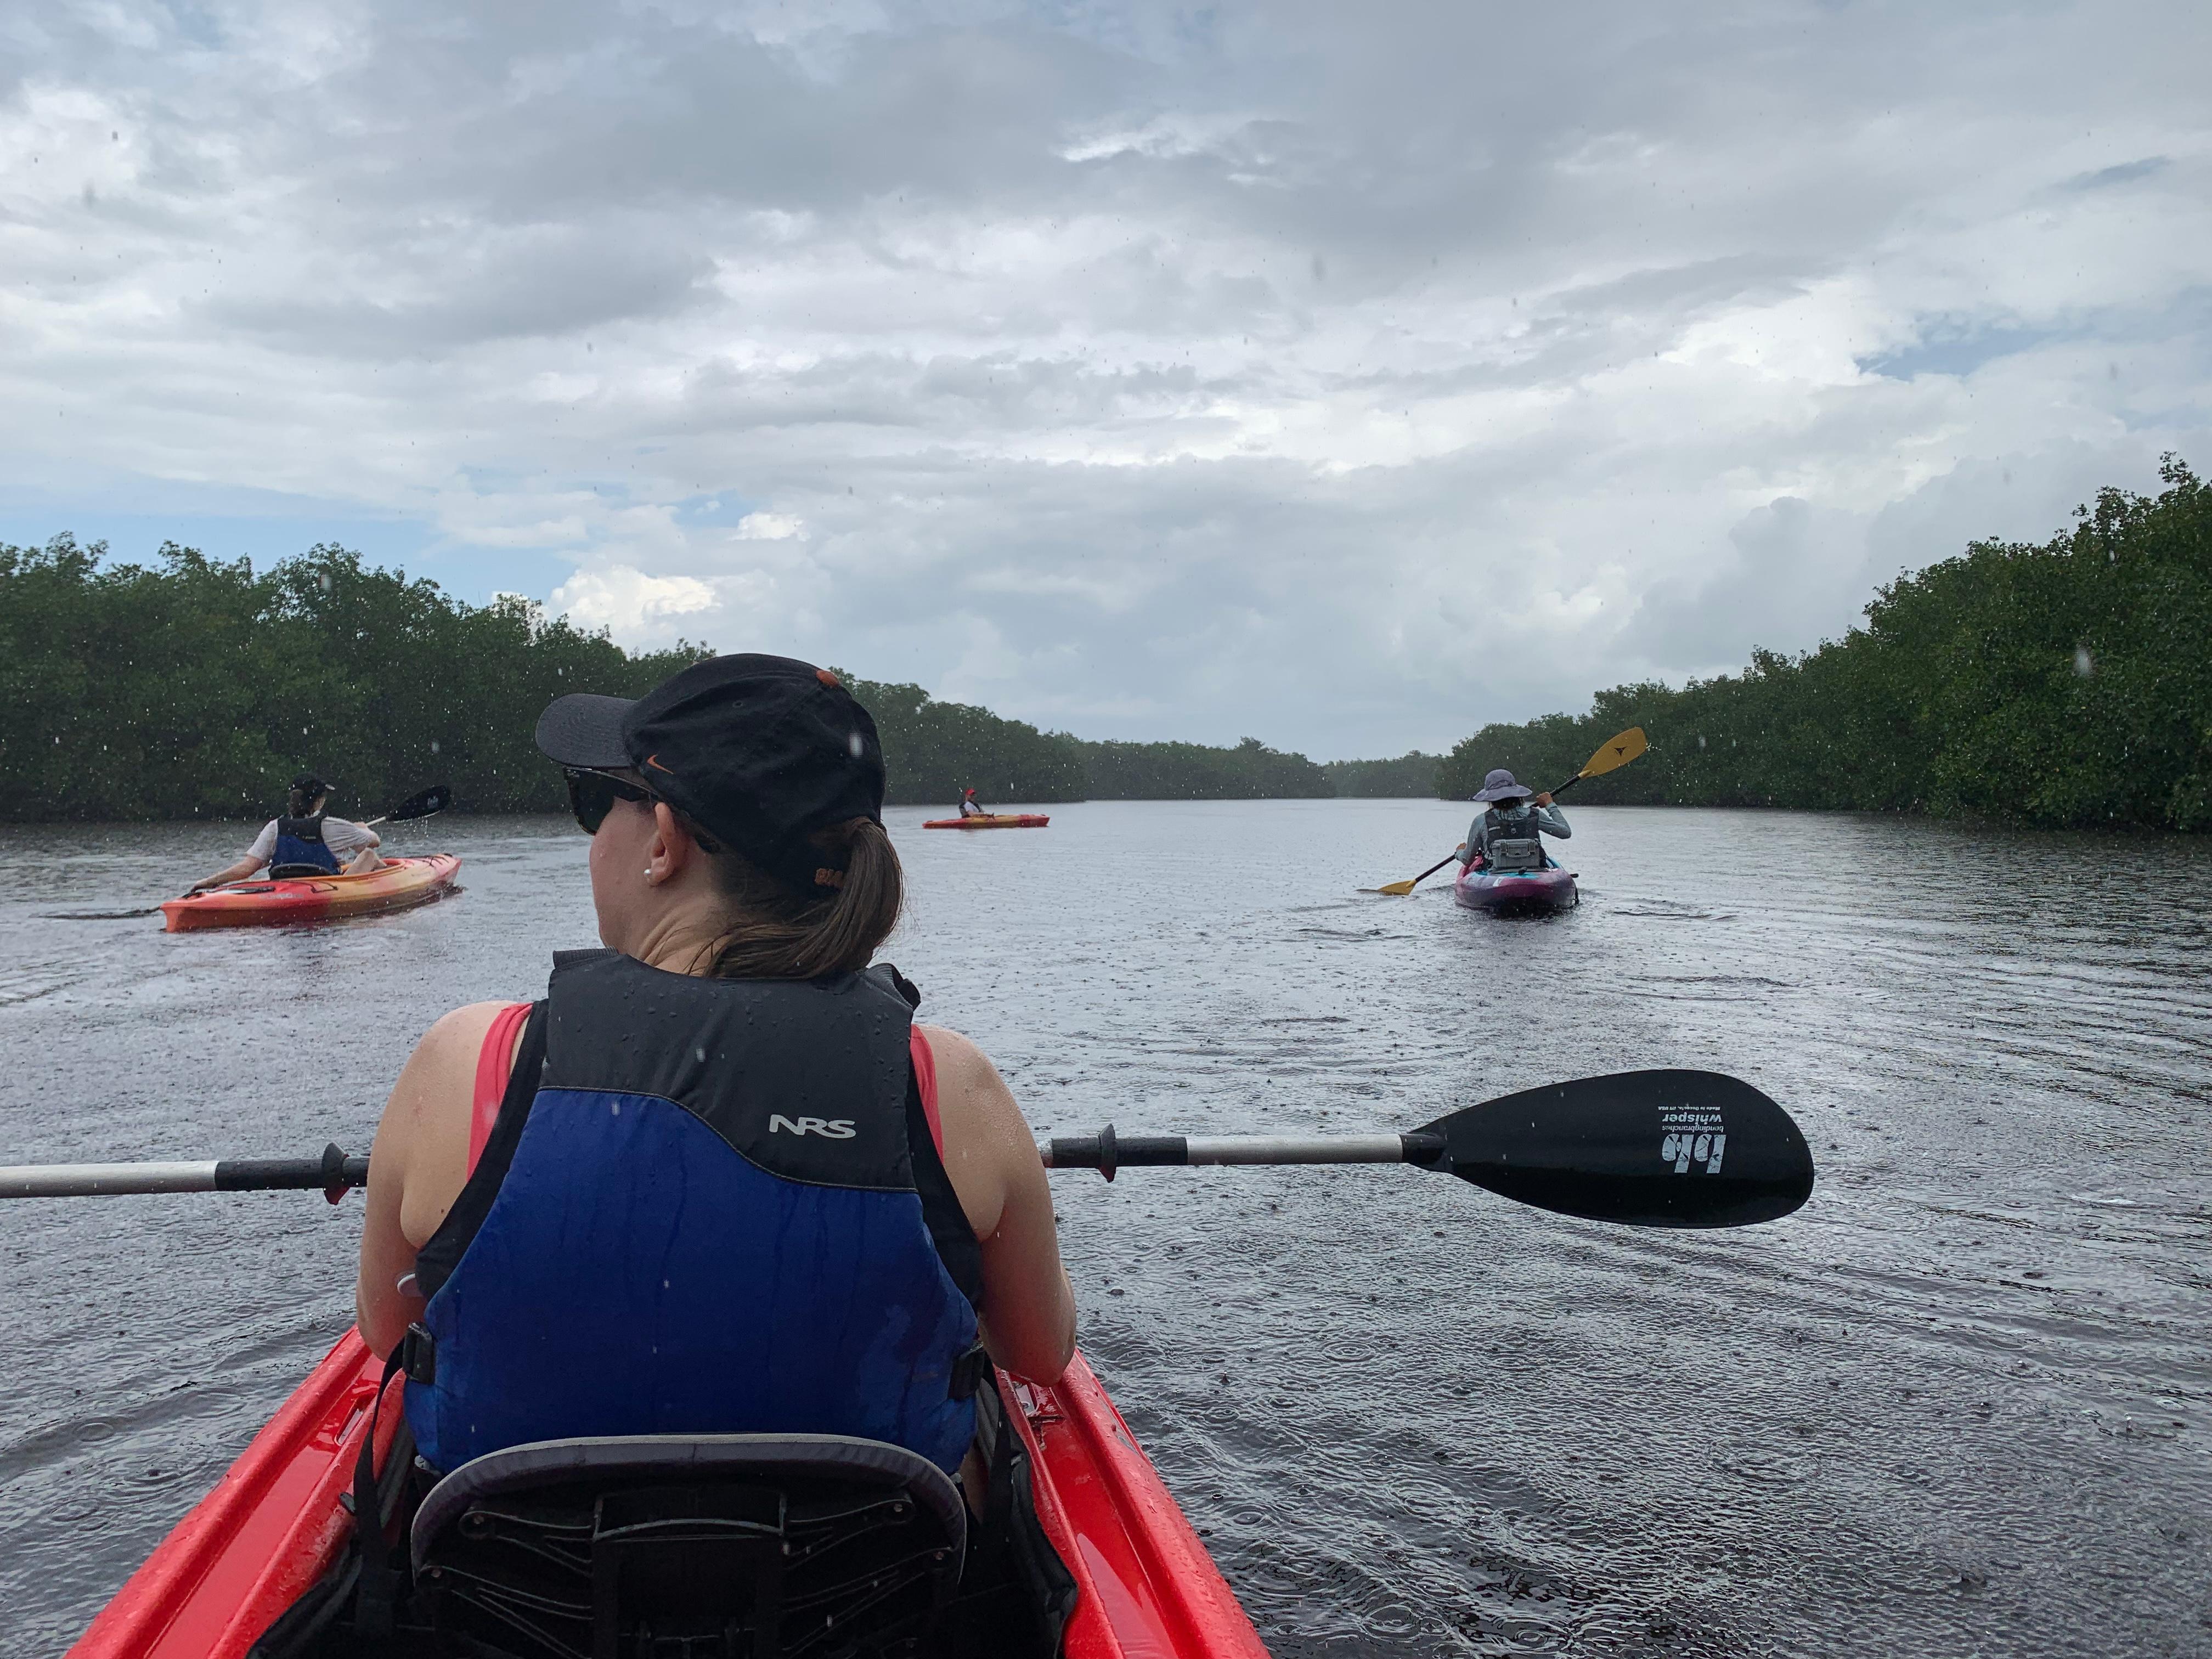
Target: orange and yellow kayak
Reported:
point(400, 883)
point(991, 821)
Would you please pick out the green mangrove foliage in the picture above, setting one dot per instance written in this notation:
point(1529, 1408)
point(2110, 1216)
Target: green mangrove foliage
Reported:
point(934, 749)
point(1191, 771)
point(1411, 774)
point(2064, 685)
point(198, 688)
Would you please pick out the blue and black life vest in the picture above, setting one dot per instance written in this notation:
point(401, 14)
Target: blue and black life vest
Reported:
point(708, 1205)
point(299, 841)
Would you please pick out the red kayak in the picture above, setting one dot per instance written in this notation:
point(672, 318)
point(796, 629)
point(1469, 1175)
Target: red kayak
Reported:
point(990, 821)
point(397, 885)
point(1132, 1580)
point(1516, 892)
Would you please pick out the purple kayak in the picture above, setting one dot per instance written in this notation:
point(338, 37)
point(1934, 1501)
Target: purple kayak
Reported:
point(1517, 892)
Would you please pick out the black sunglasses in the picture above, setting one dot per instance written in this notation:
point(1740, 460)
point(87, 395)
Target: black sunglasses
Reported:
point(593, 795)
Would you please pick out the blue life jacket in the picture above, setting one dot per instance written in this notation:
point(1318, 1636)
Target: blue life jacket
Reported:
point(299, 841)
point(708, 1205)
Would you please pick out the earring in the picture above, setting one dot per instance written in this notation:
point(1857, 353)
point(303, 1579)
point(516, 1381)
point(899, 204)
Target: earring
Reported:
point(648, 873)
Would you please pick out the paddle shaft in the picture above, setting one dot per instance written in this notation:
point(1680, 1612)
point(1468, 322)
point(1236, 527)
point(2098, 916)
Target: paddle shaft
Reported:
point(1107, 1152)
point(229, 1174)
point(1433, 868)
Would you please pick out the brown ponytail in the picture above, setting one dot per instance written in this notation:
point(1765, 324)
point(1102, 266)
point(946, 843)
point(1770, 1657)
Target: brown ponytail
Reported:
point(776, 934)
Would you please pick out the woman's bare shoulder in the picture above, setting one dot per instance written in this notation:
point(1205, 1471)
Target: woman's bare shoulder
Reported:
point(954, 1052)
point(965, 1077)
point(447, 1054)
point(464, 1028)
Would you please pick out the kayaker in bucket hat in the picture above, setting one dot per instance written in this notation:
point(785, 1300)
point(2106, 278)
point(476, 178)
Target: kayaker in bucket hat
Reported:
point(716, 1181)
point(1504, 818)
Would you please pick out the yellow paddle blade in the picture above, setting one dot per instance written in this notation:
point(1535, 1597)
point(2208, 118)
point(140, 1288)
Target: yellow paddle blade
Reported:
point(1398, 889)
point(1617, 751)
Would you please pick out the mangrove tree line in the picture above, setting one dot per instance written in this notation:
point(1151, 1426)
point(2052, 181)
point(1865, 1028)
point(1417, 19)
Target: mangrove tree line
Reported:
point(198, 687)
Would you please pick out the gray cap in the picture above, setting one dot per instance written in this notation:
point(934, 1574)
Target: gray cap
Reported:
point(1499, 785)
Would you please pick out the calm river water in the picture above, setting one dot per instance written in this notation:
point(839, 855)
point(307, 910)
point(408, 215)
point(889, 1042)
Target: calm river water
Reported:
point(1959, 1405)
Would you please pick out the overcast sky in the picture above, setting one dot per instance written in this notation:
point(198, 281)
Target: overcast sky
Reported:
point(1346, 376)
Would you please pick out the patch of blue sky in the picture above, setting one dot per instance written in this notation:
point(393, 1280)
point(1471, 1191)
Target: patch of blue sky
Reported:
point(721, 507)
point(1955, 350)
point(135, 536)
point(265, 527)
point(197, 25)
point(2125, 172)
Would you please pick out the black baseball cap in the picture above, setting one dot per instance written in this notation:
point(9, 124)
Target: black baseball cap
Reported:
point(759, 751)
point(310, 786)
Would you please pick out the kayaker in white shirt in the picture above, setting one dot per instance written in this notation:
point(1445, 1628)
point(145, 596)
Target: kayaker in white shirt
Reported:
point(304, 837)
point(1495, 824)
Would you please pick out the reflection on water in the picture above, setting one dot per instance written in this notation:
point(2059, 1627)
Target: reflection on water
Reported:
point(1958, 1404)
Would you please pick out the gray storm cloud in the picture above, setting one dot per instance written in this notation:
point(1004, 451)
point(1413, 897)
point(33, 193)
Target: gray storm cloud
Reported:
point(1346, 377)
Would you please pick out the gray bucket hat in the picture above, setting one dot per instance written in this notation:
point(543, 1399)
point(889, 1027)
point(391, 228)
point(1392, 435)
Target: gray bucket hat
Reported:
point(1499, 785)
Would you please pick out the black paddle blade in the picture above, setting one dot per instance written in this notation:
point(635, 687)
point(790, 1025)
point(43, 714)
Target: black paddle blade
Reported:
point(436, 798)
point(1649, 1149)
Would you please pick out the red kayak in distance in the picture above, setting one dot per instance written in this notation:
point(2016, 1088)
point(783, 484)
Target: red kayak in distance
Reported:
point(991, 821)
point(400, 884)
point(1138, 1583)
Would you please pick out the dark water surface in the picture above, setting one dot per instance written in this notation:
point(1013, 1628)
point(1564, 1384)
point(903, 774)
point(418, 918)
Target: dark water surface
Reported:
point(1960, 1405)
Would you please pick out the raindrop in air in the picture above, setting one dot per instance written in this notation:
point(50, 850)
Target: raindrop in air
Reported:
point(2084, 664)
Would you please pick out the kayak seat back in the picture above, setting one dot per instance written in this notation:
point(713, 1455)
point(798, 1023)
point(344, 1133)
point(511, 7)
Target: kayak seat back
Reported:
point(296, 871)
point(714, 1547)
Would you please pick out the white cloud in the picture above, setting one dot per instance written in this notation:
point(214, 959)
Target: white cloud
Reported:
point(629, 602)
point(771, 527)
point(1349, 379)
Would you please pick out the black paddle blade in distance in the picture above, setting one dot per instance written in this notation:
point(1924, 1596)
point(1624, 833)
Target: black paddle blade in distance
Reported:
point(1648, 1149)
point(436, 798)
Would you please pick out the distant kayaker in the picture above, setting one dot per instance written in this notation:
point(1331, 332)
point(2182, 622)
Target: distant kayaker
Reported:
point(969, 808)
point(1513, 822)
point(307, 840)
point(716, 1181)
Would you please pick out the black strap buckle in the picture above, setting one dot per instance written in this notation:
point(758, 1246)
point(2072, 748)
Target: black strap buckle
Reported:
point(969, 1372)
point(418, 1355)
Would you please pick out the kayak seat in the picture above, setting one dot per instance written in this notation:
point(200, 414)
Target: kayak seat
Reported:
point(694, 1546)
point(297, 872)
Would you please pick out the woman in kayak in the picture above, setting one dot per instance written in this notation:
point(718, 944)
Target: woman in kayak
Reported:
point(1509, 823)
point(306, 841)
point(716, 1181)
point(971, 808)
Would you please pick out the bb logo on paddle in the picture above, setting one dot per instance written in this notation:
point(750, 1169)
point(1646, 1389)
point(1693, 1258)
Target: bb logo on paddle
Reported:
point(1692, 1135)
point(832, 1128)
